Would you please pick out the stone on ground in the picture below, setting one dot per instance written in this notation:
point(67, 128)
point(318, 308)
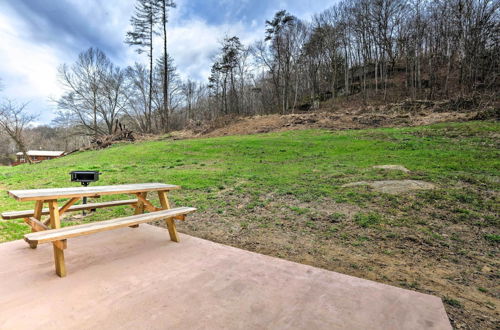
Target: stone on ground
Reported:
point(394, 186)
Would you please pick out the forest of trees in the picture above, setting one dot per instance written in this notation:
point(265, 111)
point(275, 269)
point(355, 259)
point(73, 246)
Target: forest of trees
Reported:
point(375, 49)
point(372, 50)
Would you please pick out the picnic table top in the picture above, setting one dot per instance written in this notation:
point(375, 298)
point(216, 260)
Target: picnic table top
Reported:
point(89, 191)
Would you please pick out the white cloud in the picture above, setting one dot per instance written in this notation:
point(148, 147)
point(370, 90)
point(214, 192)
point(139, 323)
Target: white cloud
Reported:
point(194, 43)
point(28, 70)
point(28, 67)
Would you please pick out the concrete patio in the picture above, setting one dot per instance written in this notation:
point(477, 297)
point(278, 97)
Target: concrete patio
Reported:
point(139, 279)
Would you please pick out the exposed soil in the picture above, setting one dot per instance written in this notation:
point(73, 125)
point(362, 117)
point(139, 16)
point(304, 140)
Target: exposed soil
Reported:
point(392, 168)
point(408, 113)
point(394, 186)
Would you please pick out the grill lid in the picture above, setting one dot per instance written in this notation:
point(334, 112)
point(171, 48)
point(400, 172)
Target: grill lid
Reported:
point(84, 176)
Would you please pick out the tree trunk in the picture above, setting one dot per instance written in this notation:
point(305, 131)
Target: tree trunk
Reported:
point(165, 70)
point(150, 101)
point(95, 121)
point(24, 151)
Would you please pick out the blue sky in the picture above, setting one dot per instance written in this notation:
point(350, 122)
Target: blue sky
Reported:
point(36, 36)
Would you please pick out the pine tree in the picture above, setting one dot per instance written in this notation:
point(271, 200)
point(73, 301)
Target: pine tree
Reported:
point(163, 7)
point(143, 22)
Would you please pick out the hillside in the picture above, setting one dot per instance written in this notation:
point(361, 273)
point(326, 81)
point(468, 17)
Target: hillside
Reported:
point(282, 194)
point(350, 113)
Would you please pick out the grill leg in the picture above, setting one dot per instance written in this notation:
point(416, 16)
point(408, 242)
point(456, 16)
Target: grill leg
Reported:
point(84, 201)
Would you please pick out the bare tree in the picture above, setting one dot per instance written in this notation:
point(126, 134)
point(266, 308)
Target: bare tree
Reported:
point(113, 97)
point(6, 148)
point(67, 136)
point(138, 111)
point(94, 92)
point(223, 77)
point(279, 33)
point(172, 92)
point(14, 119)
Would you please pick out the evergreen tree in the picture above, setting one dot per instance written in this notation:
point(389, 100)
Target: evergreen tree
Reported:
point(141, 36)
point(163, 7)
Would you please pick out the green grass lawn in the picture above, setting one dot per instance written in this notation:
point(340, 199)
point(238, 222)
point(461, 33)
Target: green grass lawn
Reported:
point(281, 194)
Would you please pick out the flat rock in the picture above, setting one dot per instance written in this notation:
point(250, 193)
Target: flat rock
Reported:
point(393, 167)
point(394, 186)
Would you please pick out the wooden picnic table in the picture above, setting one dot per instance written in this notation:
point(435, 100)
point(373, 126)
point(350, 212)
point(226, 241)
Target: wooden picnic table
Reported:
point(58, 237)
point(94, 191)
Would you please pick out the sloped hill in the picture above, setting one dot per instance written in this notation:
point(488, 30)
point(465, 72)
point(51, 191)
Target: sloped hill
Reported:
point(352, 115)
point(282, 194)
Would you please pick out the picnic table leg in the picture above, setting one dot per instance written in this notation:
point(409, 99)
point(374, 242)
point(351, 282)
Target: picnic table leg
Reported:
point(58, 246)
point(38, 210)
point(139, 209)
point(162, 195)
point(37, 215)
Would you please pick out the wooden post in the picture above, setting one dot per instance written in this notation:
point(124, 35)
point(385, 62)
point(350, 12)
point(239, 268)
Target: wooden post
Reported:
point(162, 195)
point(38, 210)
point(139, 209)
point(165, 204)
point(58, 246)
point(37, 215)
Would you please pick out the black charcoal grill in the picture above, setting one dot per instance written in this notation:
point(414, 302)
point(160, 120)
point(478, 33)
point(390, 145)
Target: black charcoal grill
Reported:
point(85, 178)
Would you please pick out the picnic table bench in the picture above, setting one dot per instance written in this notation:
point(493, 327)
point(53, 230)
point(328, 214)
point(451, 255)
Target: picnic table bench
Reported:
point(51, 231)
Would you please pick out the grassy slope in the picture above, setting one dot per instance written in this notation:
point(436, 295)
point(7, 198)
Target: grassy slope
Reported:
point(280, 194)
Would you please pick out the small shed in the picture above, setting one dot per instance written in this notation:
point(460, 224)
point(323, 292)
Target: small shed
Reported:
point(37, 156)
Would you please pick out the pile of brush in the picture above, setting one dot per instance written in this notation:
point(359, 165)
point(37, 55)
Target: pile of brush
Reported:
point(120, 134)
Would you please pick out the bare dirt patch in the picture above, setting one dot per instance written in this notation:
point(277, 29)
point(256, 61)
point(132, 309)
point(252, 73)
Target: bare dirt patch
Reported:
point(407, 113)
point(394, 186)
point(392, 168)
